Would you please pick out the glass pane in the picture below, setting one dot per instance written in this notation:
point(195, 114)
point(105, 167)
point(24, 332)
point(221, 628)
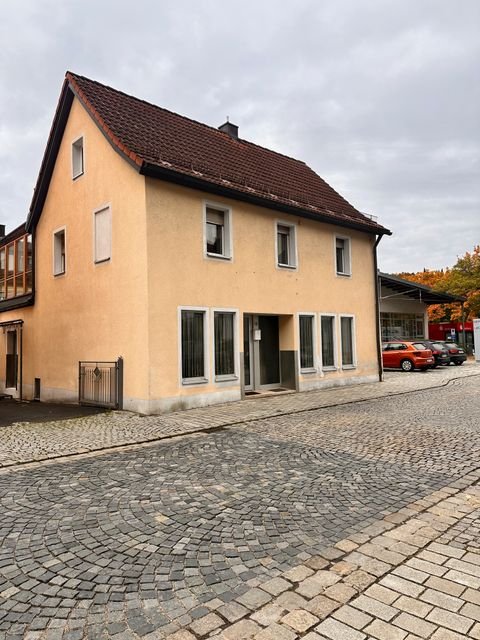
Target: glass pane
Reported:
point(2, 290)
point(347, 341)
point(2, 262)
point(340, 260)
point(215, 238)
point(282, 239)
point(328, 359)
point(269, 350)
point(29, 253)
point(246, 349)
point(19, 285)
point(20, 255)
point(193, 356)
point(306, 342)
point(10, 260)
point(10, 288)
point(28, 282)
point(224, 344)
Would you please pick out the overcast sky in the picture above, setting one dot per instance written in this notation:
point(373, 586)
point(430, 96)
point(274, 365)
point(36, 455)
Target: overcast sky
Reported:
point(380, 97)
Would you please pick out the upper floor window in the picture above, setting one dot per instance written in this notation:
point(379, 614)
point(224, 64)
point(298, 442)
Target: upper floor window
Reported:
point(342, 256)
point(103, 234)
point(218, 232)
point(77, 158)
point(16, 268)
point(286, 245)
point(59, 253)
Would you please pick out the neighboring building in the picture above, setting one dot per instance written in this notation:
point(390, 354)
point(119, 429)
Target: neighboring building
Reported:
point(404, 307)
point(214, 267)
point(461, 332)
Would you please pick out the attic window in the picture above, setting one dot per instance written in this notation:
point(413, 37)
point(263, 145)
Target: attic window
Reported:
point(77, 158)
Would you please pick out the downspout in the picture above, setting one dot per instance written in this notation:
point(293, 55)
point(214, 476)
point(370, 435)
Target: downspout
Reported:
point(377, 309)
point(21, 362)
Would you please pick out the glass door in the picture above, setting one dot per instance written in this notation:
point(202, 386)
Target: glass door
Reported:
point(248, 351)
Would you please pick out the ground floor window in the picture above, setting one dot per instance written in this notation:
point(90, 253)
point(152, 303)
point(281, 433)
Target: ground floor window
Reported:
point(193, 344)
point(402, 326)
point(328, 341)
point(346, 333)
point(224, 327)
point(306, 342)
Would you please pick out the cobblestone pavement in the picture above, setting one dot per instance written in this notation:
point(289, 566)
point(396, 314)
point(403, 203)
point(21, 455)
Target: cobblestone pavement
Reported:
point(329, 523)
point(23, 442)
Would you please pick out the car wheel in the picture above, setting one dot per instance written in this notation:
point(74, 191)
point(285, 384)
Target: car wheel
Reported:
point(406, 365)
point(458, 363)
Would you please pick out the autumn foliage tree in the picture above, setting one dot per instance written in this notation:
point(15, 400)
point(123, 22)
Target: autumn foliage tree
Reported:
point(463, 279)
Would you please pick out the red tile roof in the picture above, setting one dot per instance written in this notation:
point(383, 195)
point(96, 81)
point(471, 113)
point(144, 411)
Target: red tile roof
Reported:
point(151, 136)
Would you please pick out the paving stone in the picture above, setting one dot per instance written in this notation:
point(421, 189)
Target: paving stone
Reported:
point(415, 625)
point(352, 617)
point(242, 630)
point(445, 586)
point(340, 592)
point(471, 611)
point(402, 586)
point(232, 611)
point(299, 620)
point(442, 600)
point(254, 598)
point(378, 592)
point(321, 606)
point(336, 630)
point(299, 573)
point(276, 586)
point(385, 631)
point(451, 620)
point(413, 606)
point(374, 607)
point(276, 632)
point(205, 625)
point(268, 614)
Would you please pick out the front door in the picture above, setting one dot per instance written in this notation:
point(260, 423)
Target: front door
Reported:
point(12, 360)
point(261, 353)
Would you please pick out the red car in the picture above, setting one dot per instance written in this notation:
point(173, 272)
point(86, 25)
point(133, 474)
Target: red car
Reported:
point(406, 356)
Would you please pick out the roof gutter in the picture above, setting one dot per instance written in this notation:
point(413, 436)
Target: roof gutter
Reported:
point(171, 175)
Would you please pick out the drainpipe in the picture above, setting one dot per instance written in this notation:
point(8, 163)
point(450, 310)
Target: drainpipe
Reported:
point(21, 362)
point(377, 309)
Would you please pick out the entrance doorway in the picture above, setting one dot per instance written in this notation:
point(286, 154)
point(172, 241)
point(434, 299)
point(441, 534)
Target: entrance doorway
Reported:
point(261, 352)
point(12, 360)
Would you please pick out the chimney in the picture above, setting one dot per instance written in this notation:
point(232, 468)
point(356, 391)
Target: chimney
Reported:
point(2, 231)
point(229, 128)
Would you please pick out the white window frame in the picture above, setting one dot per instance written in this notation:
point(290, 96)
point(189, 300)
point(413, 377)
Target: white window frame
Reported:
point(105, 207)
point(75, 173)
point(55, 233)
point(206, 378)
point(316, 360)
point(354, 340)
point(227, 231)
point(292, 248)
point(347, 255)
point(333, 316)
point(236, 354)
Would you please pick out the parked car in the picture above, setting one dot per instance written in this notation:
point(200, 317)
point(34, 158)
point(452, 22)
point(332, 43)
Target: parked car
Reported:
point(439, 352)
point(407, 356)
point(456, 353)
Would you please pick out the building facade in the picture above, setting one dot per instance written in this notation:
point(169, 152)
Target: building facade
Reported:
point(213, 274)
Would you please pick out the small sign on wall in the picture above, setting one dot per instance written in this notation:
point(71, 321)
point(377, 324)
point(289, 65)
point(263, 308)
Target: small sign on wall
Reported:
point(257, 335)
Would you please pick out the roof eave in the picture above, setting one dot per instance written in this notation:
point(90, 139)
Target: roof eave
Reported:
point(176, 177)
point(50, 156)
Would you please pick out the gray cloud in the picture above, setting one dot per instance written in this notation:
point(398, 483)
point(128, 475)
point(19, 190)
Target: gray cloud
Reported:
point(380, 97)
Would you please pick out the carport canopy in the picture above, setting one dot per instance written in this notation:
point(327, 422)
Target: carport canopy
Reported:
point(416, 291)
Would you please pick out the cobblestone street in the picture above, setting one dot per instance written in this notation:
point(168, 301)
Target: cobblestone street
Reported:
point(302, 516)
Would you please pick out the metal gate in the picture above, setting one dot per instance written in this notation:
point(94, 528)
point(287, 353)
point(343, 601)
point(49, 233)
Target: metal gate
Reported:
point(101, 384)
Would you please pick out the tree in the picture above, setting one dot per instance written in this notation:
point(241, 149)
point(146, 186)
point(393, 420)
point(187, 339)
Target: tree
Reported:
point(463, 279)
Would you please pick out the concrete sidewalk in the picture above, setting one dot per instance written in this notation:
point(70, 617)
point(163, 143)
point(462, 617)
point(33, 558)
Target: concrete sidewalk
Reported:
point(24, 442)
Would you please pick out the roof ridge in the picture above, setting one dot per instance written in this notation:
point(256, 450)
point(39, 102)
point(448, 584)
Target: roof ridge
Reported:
point(179, 115)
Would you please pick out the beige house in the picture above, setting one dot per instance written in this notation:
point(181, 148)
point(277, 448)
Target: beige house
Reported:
point(213, 267)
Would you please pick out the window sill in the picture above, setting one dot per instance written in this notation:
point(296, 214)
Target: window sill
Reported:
point(349, 366)
point(226, 378)
point(193, 381)
point(59, 274)
point(102, 261)
point(217, 256)
point(327, 369)
point(79, 175)
point(308, 370)
point(287, 266)
point(340, 274)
